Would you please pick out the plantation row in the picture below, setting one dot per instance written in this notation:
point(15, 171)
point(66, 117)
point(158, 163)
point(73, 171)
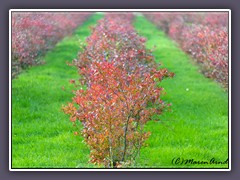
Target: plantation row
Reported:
point(34, 33)
point(120, 91)
point(203, 35)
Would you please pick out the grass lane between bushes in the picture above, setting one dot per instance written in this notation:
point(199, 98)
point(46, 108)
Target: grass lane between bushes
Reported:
point(42, 135)
point(197, 127)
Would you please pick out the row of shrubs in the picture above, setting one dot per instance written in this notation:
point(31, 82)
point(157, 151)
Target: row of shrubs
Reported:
point(33, 33)
point(203, 35)
point(118, 92)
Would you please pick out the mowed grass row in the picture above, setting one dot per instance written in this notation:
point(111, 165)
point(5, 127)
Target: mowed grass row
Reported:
point(42, 135)
point(197, 127)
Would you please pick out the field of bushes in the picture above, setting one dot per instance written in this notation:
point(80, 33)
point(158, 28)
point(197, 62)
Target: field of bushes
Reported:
point(118, 90)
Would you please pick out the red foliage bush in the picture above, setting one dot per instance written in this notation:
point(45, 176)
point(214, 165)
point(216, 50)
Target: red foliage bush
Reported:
point(121, 94)
point(210, 48)
point(35, 32)
point(203, 35)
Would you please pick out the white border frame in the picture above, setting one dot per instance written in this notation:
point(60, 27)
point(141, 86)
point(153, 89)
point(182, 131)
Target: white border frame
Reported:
point(119, 10)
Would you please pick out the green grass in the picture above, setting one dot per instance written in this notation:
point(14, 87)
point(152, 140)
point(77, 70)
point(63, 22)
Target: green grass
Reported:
point(197, 127)
point(42, 135)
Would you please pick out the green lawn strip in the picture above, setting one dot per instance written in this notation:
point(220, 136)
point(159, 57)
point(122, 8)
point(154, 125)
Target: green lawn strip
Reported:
point(197, 127)
point(42, 135)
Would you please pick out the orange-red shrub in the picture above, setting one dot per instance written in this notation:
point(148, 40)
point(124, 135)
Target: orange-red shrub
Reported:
point(121, 94)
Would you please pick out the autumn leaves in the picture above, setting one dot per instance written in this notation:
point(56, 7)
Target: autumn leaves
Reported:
point(122, 93)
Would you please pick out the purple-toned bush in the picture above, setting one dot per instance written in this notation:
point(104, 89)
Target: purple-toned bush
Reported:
point(203, 35)
point(35, 32)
